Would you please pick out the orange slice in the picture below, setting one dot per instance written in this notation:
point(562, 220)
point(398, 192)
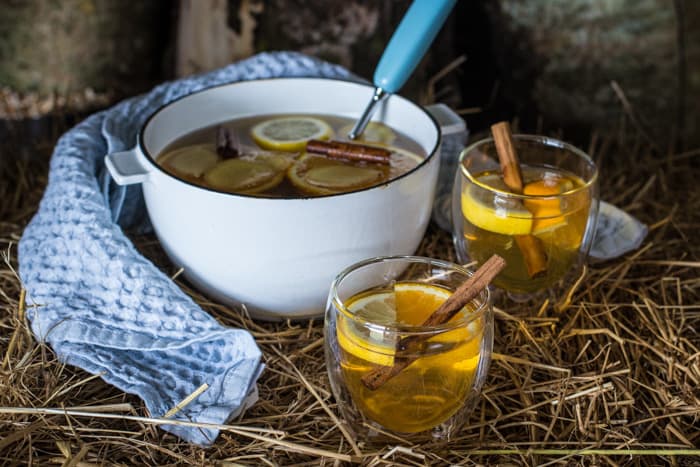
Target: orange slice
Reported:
point(547, 214)
point(415, 302)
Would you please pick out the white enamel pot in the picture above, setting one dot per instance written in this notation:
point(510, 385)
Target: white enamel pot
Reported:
point(278, 256)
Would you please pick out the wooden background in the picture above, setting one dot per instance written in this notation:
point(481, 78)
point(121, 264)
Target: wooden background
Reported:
point(554, 65)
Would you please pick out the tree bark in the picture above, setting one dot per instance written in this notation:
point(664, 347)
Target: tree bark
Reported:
point(51, 47)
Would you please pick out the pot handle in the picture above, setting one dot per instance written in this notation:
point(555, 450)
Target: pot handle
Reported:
point(125, 167)
point(450, 123)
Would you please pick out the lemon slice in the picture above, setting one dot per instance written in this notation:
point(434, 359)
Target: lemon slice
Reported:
point(289, 133)
point(508, 218)
point(357, 340)
point(375, 132)
point(190, 161)
point(318, 175)
point(351, 341)
point(245, 175)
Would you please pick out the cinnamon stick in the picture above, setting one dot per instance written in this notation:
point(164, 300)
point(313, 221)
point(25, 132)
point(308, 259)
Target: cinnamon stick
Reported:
point(533, 254)
point(530, 246)
point(507, 157)
point(464, 294)
point(350, 151)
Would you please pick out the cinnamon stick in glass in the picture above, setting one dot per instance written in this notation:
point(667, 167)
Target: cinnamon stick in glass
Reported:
point(350, 151)
point(464, 294)
point(530, 246)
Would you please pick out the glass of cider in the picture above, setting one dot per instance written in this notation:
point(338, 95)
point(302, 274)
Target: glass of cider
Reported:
point(376, 305)
point(544, 233)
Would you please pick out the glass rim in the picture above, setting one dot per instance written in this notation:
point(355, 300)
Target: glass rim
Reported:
point(480, 310)
point(551, 142)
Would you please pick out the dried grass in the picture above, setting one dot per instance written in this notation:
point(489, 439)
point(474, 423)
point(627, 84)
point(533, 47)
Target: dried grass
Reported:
point(610, 380)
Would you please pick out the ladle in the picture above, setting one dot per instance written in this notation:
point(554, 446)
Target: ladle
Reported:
point(406, 48)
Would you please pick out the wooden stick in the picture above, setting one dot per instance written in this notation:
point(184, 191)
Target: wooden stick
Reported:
point(464, 294)
point(530, 246)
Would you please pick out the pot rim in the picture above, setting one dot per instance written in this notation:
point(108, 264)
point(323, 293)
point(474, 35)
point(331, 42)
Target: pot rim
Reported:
point(149, 157)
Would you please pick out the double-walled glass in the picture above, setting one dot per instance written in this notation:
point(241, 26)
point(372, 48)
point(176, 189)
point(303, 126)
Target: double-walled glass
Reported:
point(373, 307)
point(543, 233)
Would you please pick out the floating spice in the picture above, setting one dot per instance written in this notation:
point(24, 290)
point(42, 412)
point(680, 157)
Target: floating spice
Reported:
point(349, 151)
point(227, 143)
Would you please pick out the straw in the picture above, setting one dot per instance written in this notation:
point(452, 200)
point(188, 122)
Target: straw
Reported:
point(610, 379)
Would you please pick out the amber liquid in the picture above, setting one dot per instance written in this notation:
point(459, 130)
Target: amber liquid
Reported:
point(426, 393)
point(560, 231)
point(401, 162)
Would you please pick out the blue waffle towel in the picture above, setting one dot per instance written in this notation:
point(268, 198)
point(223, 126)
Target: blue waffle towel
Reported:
point(105, 308)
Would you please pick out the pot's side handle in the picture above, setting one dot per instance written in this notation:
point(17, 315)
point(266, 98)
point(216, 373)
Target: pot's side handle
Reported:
point(125, 167)
point(450, 123)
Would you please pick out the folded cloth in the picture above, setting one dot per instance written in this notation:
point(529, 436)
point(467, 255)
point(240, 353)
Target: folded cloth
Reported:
point(616, 233)
point(104, 307)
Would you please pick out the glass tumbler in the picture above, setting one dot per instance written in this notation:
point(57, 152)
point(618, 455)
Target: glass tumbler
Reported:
point(373, 307)
point(543, 233)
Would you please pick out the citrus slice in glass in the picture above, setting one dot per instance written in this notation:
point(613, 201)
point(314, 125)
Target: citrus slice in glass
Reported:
point(191, 161)
point(319, 175)
point(357, 339)
point(410, 304)
point(375, 132)
point(546, 212)
point(415, 302)
point(289, 134)
point(249, 174)
point(503, 216)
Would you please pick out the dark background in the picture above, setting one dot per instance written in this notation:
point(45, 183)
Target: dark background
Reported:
point(563, 68)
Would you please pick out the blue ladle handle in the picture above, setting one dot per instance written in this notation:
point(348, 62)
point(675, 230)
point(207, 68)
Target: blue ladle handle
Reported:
point(406, 48)
point(410, 41)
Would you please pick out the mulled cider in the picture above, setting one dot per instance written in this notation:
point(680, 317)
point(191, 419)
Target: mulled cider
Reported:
point(435, 385)
point(279, 156)
point(542, 228)
point(554, 220)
